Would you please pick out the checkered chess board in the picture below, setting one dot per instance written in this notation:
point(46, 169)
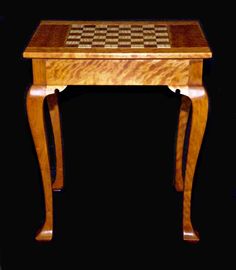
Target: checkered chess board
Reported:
point(118, 36)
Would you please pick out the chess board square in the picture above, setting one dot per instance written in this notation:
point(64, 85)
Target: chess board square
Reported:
point(77, 26)
point(89, 26)
point(98, 43)
point(72, 43)
point(140, 29)
point(124, 45)
point(137, 45)
point(136, 31)
point(99, 38)
point(98, 32)
point(74, 40)
point(75, 31)
point(85, 46)
point(151, 37)
point(87, 40)
point(115, 34)
point(148, 29)
point(140, 40)
point(88, 32)
point(161, 34)
point(125, 26)
point(101, 28)
point(161, 28)
point(124, 38)
point(124, 42)
point(112, 40)
point(162, 40)
point(126, 32)
point(112, 32)
point(148, 26)
point(111, 45)
point(74, 37)
point(148, 32)
point(138, 34)
point(115, 29)
point(150, 43)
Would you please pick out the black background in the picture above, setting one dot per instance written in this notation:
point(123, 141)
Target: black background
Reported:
point(119, 207)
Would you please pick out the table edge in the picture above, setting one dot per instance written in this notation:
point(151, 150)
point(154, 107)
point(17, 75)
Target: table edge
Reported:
point(175, 53)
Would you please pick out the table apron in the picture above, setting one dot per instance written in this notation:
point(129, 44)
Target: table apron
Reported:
point(116, 72)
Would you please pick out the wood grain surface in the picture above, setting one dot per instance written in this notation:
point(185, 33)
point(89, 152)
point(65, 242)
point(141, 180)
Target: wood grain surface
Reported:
point(100, 53)
point(35, 99)
point(186, 40)
point(39, 71)
point(50, 36)
point(198, 125)
point(54, 112)
point(117, 72)
point(182, 125)
point(199, 102)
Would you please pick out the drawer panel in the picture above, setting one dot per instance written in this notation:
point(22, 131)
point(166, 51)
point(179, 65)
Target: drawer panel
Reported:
point(117, 72)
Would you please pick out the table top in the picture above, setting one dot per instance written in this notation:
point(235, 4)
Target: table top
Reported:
point(118, 39)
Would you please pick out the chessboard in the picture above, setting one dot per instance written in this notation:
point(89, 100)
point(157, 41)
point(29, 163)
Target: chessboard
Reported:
point(118, 36)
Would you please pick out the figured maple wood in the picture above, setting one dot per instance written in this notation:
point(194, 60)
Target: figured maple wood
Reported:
point(195, 72)
point(182, 125)
point(199, 101)
point(198, 124)
point(117, 72)
point(53, 106)
point(195, 79)
point(186, 37)
point(39, 71)
point(35, 99)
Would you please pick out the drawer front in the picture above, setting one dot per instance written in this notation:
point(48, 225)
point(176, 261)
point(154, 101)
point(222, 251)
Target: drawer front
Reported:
point(117, 72)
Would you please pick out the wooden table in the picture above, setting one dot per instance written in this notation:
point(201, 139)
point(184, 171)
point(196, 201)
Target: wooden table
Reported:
point(167, 53)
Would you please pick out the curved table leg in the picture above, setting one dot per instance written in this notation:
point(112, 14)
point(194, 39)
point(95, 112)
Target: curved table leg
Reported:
point(182, 125)
point(35, 101)
point(199, 101)
point(53, 106)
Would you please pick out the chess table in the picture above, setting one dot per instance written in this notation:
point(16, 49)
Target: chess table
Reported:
point(169, 53)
